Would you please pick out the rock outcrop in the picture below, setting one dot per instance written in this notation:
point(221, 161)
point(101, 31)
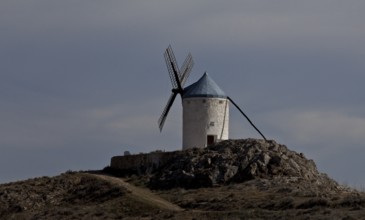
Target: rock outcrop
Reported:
point(236, 161)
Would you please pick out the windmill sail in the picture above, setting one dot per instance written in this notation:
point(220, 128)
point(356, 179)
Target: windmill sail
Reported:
point(162, 119)
point(177, 78)
point(186, 69)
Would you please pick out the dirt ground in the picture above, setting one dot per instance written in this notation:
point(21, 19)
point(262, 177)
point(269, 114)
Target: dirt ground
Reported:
point(96, 196)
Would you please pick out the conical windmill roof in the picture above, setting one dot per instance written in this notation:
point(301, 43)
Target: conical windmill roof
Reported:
point(204, 87)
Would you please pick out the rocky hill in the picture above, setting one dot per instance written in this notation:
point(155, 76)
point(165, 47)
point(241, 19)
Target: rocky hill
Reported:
point(236, 162)
point(235, 179)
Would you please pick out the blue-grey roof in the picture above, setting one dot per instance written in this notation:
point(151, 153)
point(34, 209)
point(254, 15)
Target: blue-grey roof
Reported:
point(204, 87)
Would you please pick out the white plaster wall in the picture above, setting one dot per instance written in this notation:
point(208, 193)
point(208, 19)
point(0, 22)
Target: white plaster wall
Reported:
point(202, 117)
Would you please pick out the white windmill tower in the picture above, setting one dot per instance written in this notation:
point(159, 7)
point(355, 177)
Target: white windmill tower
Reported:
point(205, 105)
point(205, 113)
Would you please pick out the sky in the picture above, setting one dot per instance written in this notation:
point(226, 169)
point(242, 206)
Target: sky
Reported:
point(82, 81)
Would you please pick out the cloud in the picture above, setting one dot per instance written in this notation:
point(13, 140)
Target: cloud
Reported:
point(131, 122)
point(323, 128)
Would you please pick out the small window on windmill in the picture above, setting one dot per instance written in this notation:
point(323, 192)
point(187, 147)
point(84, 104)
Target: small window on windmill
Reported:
point(220, 101)
point(204, 101)
point(211, 124)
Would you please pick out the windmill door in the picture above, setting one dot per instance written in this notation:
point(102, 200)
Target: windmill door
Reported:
point(210, 139)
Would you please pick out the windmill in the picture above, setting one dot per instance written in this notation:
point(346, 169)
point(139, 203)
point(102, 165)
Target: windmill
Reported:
point(205, 105)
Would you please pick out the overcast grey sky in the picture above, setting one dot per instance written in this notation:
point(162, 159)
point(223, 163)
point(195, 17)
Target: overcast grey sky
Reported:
point(81, 81)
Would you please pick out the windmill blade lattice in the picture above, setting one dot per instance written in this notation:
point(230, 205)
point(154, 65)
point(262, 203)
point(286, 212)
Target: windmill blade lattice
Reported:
point(177, 78)
point(172, 67)
point(162, 119)
point(186, 69)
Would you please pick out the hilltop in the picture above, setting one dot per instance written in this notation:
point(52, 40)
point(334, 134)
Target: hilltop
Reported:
point(234, 179)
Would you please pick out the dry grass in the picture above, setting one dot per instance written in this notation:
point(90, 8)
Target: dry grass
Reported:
point(94, 196)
